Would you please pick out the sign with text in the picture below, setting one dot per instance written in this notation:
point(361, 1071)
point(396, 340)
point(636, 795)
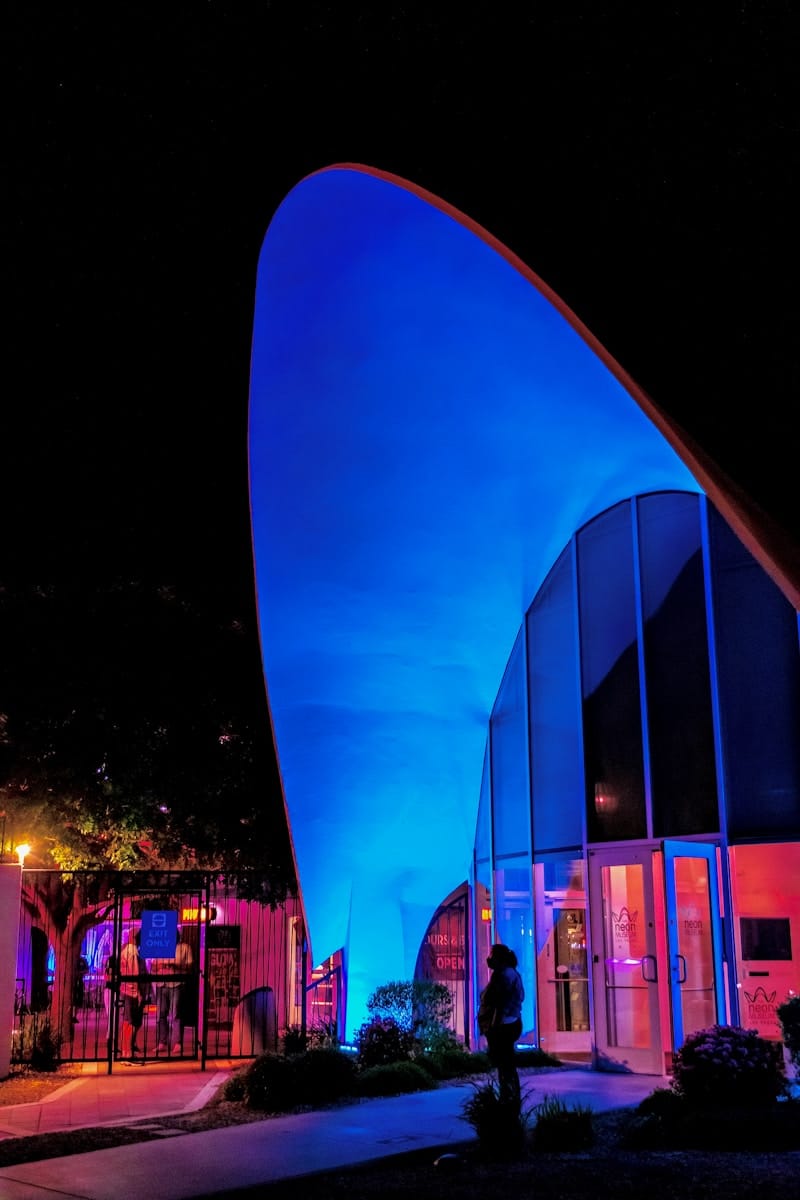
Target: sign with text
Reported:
point(159, 934)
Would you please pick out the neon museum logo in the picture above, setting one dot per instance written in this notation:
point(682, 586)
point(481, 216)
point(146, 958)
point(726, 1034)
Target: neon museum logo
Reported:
point(762, 1006)
point(625, 922)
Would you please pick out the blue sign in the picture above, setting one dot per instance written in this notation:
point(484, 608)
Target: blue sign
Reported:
point(159, 934)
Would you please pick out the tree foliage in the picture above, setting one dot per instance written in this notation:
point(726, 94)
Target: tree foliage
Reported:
point(134, 730)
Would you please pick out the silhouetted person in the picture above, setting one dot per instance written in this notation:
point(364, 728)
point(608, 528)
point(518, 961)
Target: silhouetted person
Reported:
point(500, 1019)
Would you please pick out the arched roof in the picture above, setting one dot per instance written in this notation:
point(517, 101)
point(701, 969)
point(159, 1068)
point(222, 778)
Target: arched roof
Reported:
point(428, 427)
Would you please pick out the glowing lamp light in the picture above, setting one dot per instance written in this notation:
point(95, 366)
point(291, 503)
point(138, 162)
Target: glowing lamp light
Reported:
point(22, 849)
point(604, 799)
point(486, 914)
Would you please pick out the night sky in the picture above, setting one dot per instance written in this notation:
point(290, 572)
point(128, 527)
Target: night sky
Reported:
point(642, 159)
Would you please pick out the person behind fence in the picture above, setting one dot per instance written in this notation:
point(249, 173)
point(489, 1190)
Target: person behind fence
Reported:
point(132, 989)
point(500, 1019)
point(173, 971)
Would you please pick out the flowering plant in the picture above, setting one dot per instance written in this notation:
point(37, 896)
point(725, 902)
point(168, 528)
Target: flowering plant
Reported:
point(728, 1065)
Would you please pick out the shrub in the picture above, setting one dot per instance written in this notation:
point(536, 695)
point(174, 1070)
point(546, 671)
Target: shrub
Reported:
point(234, 1088)
point(46, 1050)
point(500, 1126)
point(727, 1065)
point(293, 1040)
point(560, 1126)
point(454, 1062)
point(789, 1017)
point(383, 1041)
point(657, 1121)
point(533, 1056)
point(296, 1040)
point(392, 1079)
point(323, 1074)
point(422, 1007)
point(270, 1083)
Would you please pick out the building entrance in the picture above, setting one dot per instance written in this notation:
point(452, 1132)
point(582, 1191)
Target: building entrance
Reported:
point(657, 951)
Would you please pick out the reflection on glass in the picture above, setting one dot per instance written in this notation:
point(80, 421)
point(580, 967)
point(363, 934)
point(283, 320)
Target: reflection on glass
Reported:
point(561, 955)
point(694, 970)
point(626, 957)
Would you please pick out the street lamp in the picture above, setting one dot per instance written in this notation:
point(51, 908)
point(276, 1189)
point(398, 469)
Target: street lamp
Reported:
point(22, 850)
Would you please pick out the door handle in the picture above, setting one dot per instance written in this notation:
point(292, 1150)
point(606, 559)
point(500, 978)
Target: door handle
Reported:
point(652, 959)
point(680, 963)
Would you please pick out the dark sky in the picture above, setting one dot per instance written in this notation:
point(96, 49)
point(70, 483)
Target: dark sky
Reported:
point(641, 158)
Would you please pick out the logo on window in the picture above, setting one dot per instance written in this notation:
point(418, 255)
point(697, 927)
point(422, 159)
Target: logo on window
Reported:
point(625, 922)
point(759, 996)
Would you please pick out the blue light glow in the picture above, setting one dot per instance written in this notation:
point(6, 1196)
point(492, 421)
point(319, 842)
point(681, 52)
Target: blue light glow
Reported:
point(427, 430)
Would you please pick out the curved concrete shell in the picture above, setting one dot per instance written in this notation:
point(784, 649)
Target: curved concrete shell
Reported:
point(428, 427)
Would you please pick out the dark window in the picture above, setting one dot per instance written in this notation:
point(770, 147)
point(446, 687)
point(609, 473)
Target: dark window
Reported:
point(555, 715)
point(510, 802)
point(612, 727)
point(766, 939)
point(680, 728)
point(759, 691)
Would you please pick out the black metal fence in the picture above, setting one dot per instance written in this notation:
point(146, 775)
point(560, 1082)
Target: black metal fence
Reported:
point(116, 965)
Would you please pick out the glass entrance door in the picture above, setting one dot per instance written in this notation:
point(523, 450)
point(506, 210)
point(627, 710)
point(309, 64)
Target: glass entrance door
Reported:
point(625, 961)
point(694, 936)
point(656, 951)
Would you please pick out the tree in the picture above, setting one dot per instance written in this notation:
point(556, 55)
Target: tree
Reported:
point(134, 730)
point(133, 734)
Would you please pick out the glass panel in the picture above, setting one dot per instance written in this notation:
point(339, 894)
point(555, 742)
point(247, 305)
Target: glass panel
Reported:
point(514, 926)
point(766, 909)
point(693, 972)
point(682, 765)
point(612, 725)
point(483, 831)
point(627, 962)
point(443, 957)
point(555, 716)
point(561, 956)
point(759, 691)
point(510, 800)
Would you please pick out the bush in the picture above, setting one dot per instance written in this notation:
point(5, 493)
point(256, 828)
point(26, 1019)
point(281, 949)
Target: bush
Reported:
point(46, 1051)
point(235, 1088)
point(560, 1126)
point(270, 1083)
point(454, 1063)
point(657, 1121)
point(789, 1017)
point(726, 1065)
point(422, 1007)
point(499, 1125)
point(532, 1056)
point(393, 1079)
point(324, 1074)
point(383, 1041)
point(293, 1040)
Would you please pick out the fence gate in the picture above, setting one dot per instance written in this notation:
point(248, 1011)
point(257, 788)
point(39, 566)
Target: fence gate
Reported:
point(151, 966)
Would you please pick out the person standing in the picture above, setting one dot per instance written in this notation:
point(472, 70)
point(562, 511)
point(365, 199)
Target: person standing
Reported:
point(169, 976)
point(500, 1019)
point(132, 989)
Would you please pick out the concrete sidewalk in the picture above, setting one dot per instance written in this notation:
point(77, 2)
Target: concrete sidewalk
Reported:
point(187, 1166)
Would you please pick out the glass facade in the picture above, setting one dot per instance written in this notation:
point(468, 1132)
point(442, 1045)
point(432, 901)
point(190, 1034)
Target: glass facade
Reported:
point(653, 694)
point(612, 713)
point(508, 739)
point(555, 716)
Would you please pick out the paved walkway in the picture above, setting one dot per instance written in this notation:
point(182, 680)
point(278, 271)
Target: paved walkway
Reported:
point(188, 1166)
